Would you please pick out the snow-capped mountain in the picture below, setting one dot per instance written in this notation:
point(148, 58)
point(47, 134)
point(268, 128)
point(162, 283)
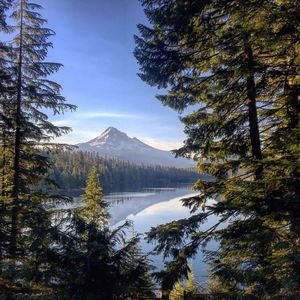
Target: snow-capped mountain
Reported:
point(116, 144)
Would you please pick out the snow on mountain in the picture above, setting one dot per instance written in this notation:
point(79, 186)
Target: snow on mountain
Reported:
point(116, 144)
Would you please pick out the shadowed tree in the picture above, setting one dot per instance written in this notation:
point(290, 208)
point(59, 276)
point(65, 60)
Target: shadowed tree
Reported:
point(101, 262)
point(236, 64)
point(5, 132)
point(27, 135)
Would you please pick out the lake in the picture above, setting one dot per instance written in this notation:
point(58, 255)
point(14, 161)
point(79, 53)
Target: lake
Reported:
point(152, 207)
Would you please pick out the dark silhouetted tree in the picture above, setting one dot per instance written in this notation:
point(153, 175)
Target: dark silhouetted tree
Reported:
point(26, 134)
point(236, 64)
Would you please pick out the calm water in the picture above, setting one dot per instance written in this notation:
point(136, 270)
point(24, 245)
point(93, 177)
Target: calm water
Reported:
point(153, 207)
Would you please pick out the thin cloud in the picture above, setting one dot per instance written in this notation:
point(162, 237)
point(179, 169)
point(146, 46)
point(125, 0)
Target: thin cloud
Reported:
point(167, 146)
point(105, 114)
point(77, 136)
point(79, 117)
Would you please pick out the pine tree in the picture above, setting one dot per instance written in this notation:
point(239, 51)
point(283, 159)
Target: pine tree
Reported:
point(33, 92)
point(70, 171)
point(104, 263)
point(95, 209)
point(5, 133)
point(26, 136)
point(185, 288)
point(236, 64)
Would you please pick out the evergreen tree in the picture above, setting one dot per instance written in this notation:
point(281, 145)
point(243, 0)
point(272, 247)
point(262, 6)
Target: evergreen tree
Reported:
point(185, 288)
point(236, 64)
point(95, 209)
point(5, 135)
point(70, 171)
point(104, 263)
point(33, 92)
point(26, 135)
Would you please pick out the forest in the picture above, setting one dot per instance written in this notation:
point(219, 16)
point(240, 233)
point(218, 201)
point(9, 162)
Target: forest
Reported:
point(71, 169)
point(233, 67)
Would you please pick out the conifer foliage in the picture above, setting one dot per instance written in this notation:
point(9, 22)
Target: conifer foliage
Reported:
point(70, 171)
point(5, 127)
point(26, 93)
point(181, 289)
point(105, 264)
point(236, 63)
point(46, 253)
point(95, 209)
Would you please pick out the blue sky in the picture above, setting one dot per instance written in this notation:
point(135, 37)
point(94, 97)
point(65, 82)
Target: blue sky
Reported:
point(94, 41)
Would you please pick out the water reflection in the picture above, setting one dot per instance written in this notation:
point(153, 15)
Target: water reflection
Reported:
point(125, 205)
point(152, 207)
point(152, 210)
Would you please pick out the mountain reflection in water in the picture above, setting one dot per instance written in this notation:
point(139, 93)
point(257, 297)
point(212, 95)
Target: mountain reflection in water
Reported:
point(152, 207)
point(128, 205)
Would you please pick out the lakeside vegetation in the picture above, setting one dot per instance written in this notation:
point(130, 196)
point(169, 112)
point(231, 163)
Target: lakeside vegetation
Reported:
point(234, 64)
point(71, 168)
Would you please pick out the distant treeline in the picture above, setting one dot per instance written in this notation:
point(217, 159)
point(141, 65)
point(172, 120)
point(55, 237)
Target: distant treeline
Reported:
point(71, 169)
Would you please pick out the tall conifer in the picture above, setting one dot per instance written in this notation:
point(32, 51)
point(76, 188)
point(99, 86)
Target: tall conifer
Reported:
point(27, 136)
point(33, 94)
point(235, 63)
point(5, 132)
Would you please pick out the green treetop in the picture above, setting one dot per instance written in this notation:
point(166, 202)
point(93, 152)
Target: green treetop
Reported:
point(189, 287)
point(95, 209)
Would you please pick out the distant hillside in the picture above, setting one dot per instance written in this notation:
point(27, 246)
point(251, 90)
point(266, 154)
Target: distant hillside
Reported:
point(116, 144)
point(71, 168)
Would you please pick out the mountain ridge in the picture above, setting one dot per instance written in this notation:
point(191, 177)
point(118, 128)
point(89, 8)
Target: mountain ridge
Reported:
point(117, 144)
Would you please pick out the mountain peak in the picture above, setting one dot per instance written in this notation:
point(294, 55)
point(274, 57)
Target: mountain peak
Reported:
point(111, 129)
point(109, 136)
point(117, 144)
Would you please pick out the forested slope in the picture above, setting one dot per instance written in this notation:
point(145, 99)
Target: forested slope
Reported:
point(71, 169)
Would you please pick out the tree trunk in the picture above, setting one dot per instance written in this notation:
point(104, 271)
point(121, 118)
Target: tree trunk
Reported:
point(293, 111)
point(293, 104)
point(17, 148)
point(254, 138)
point(252, 109)
point(3, 164)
